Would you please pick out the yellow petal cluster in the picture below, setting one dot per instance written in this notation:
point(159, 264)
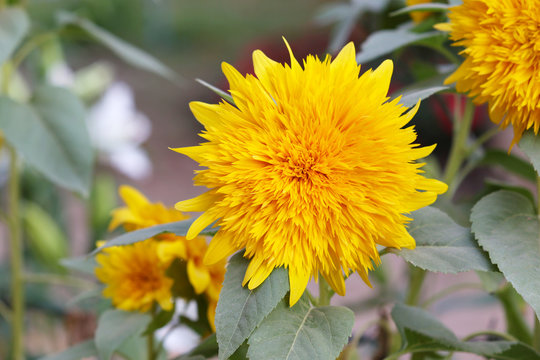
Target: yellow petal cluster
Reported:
point(161, 250)
point(418, 16)
point(501, 40)
point(135, 277)
point(310, 169)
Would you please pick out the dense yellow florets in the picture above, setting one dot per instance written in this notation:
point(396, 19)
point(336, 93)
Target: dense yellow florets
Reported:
point(502, 58)
point(132, 271)
point(310, 169)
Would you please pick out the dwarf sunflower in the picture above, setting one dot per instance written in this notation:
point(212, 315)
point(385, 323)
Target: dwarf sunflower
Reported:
point(310, 169)
point(140, 213)
point(501, 40)
point(134, 276)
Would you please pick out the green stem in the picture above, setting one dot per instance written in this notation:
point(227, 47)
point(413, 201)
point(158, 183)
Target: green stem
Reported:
point(29, 46)
point(150, 337)
point(458, 151)
point(450, 290)
point(325, 292)
point(17, 262)
point(417, 277)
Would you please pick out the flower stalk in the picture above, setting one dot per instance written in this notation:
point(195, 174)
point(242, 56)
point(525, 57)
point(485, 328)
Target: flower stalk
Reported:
point(17, 261)
point(325, 292)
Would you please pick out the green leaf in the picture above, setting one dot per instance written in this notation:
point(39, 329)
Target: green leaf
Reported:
point(509, 162)
point(179, 228)
point(83, 264)
point(421, 90)
point(161, 319)
point(240, 310)
point(77, 352)
point(433, 7)
point(224, 95)
point(442, 245)
point(421, 332)
point(14, 25)
point(127, 52)
point(51, 136)
point(507, 227)
point(46, 240)
point(385, 41)
point(115, 327)
point(530, 144)
point(301, 332)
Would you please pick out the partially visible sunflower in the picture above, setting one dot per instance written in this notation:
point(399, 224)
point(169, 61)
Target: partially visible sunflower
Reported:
point(418, 16)
point(501, 40)
point(141, 213)
point(310, 170)
point(134, 276)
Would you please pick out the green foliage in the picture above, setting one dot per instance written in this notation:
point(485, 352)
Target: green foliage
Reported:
point(46, 240)
point(301, 332)
point(530, 144)
point(117, 326)
point(241, 310)
point(77, 352)
point(51, 135)
point(510, 162)
point(179, 228)
point(14, 25)
point(421, 332)
point(432, 7)
point(123, 50)
point(442, 245)
point(506, 226)
point(383, 42)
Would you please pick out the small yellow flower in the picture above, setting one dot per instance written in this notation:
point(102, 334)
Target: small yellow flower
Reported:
point(310, 170)
point(141, 213)
point(501, 40)
point(418, 16)
point(134, 276)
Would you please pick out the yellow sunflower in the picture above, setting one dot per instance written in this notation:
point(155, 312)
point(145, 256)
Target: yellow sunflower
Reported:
point(310, 170)
point(141, 213)
point(501, 40)
point(418, 16)
point(134, 276)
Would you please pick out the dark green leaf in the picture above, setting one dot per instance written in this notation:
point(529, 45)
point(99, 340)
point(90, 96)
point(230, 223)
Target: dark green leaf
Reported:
point(224, 95)
point(115, 327)
point(240, 310)
point(179, 228)
point(77, 352)
point(442, 245)
point(433, 7)
point(507, 227)
point(51, 136)
point(14, 25)
point(301, 332)
point(421, 332)
point(385, 41)
point(509, 162)
point(123, 50)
